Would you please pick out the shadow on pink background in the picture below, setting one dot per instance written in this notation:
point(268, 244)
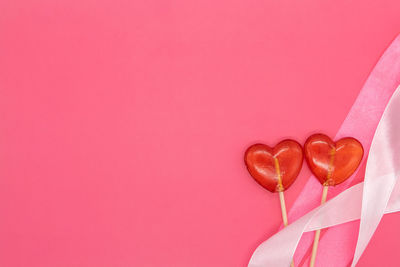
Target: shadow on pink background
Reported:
point(123, 123)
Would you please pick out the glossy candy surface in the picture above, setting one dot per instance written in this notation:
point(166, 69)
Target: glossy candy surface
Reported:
point(275, 168)
point(332, 162)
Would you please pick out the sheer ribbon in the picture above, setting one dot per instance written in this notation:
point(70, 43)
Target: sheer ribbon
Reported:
point(367, 201)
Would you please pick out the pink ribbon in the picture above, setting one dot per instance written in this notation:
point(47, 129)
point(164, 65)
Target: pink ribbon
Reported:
point(366, 201)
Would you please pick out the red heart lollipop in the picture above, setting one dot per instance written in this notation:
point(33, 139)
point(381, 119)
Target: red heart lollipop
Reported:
point(332, 163)
point(275, 168)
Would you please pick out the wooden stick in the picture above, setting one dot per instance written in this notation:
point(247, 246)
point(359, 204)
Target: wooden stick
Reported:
point(282, 197)
point(284, 214)
point(318, 232)
point(283, 208)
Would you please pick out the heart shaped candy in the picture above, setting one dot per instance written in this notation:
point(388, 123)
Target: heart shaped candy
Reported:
point(274, 168)
point(332, 163)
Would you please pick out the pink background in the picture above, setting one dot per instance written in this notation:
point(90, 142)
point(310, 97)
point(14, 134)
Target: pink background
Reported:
point(123, 123)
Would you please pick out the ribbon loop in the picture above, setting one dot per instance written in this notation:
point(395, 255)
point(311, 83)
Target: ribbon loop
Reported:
point(367, 201)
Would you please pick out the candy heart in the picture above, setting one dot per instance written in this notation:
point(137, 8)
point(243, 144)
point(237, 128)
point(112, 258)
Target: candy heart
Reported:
point(275, 168)
point(332, 163)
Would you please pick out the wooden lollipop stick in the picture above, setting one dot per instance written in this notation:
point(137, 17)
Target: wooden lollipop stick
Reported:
point(284, 213)
point(318, 232)
point(282, 197)
point(283, 208)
